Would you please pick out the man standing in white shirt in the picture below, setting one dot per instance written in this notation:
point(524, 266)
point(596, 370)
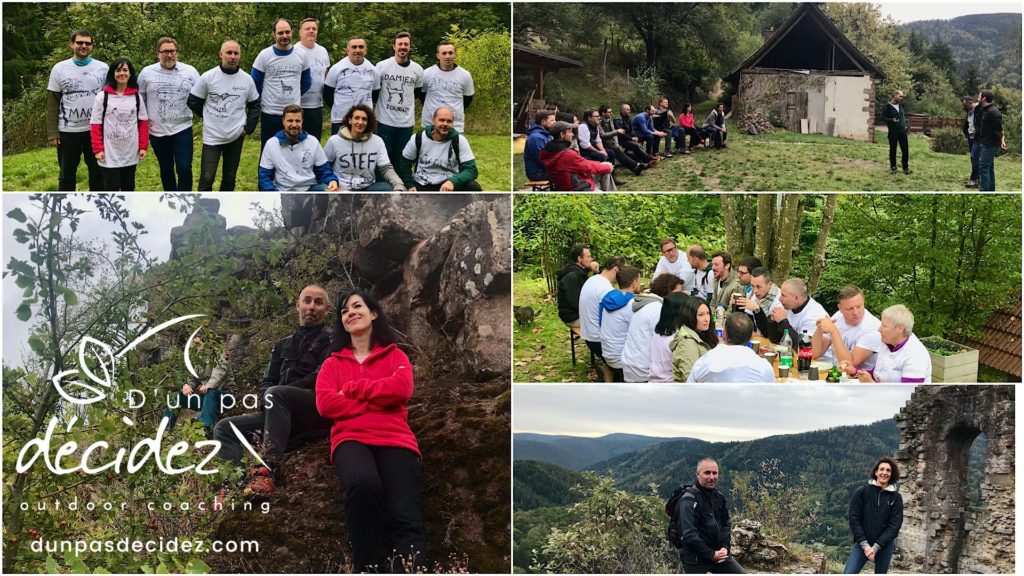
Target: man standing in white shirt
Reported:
point(225, 97)
point(671, 263)
point(732, 360)
point(282, 76)
point(591, 294)
point(395, 84)
point(165, 87)
point(850, 335)
point(319, 61)
point(349, 82)
point(446, 84)
point(798, 313)
point(71, 92)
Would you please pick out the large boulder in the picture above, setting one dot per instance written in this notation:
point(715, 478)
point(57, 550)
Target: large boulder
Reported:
point(752, 548)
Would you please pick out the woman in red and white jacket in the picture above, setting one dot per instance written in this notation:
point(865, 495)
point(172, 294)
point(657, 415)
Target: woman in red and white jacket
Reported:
point(119, 127)
point(363, 386)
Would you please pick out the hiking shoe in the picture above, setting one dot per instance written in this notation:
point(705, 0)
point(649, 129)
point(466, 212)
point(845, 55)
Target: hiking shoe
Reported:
point(892, 170)
point(971, 184)
point(668, 154)
point(638, 168)
point(685, 151)
point(906, 171)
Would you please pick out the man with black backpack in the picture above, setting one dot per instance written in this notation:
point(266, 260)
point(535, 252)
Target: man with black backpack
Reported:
point(444, 161)
point(700, 529)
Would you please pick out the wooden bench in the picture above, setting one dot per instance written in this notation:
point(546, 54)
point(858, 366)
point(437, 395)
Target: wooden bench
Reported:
point(539, 185)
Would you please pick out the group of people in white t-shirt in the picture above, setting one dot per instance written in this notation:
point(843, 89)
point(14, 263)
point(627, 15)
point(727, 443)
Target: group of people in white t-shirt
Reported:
point(669, 334)
point(372, 152)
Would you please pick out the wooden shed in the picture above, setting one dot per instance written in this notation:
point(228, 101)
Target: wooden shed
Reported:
point(539, 63)
point(999, 346)
point(809, 77)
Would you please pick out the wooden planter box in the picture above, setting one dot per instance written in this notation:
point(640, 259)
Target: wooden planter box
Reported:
point(961, 366)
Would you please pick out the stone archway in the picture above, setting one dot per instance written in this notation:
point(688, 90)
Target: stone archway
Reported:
point(941, 532)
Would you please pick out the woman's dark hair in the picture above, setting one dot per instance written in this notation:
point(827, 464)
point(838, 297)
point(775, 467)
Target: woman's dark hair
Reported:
point(687, 107)
point(133, 80)
point(381, 333)
point(371, 118)
point(688, 318)
point(671, 307)
point(894, 477)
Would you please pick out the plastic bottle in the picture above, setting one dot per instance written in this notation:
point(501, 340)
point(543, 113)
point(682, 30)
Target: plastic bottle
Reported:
point(786, 351)
point(805, 352)
point(720, 322)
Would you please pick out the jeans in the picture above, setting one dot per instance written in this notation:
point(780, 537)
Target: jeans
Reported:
point(291, 422)
point(313, 121)
point(232, 153)
point(382, 503)
point(208, 406)
point(119, 179)
point(901, 139)
point(395, 138)
point(857, 559)
point(378, 187)
point(174, 152)
point(270, 124)
point(73, 146)
point(987, 167)
point(973, 146)
point(716, 135)
point(593, 154)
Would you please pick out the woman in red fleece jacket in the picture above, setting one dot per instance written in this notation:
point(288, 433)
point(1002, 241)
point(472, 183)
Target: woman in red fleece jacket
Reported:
point(363, 386)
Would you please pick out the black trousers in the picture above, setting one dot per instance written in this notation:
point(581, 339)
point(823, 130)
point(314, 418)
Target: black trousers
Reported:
point(290, 423)
point(730, 566)
point(232, 153)
point(900, 138)
point(73, 146)
point(382, 504)
point(694, 136)
point(471, 186)
point(635, 151)
point(620, 156)
point(313, 121)
point(270, 124)
point(119, 179)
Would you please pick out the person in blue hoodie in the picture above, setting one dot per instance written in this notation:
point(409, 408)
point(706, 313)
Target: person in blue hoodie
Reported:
point(615, 315)
point(536, 138)
point(292, 161)
point(643, 129)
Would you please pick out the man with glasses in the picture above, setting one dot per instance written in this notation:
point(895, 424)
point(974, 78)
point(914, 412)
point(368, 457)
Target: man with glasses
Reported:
point(282, 76)
point(743, 274)
point(71, 93)
point(165, 87)
point(671, 263)
point(349, 82)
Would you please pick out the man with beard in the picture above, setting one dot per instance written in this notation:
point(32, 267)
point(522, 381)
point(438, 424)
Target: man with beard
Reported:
point(282, 76)
point(165, 87)
point(609, 134)
point(395, 84)
point(293, 161)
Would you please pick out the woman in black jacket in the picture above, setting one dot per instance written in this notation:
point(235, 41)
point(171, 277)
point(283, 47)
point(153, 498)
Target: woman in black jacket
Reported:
point(876, 514)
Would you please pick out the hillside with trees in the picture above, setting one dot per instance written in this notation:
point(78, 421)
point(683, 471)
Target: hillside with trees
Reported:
point(982, 46)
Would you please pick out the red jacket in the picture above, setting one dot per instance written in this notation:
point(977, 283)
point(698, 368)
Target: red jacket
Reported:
point(561, 165)
point(96, 130)
point(367, 400)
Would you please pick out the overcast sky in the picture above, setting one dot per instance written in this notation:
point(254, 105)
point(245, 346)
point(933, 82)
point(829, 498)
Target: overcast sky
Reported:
point(142, 207)
point(904, 12)
point(715, 413)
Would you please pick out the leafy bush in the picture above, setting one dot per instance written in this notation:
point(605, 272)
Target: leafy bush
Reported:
point(486, 54)
point(948, 141)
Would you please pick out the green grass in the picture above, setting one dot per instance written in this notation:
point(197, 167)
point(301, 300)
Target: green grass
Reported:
point(540, 352)
point(785, 161)
point(37, 170)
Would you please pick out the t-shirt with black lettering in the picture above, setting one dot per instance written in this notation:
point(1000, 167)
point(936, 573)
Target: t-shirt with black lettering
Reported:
point(446, 89)
point(352, 85)
point(436, 162)
point(166, 95)
point(355, 163)
point(282, 77)
point(120, 127)
point(396, 104)
point(318, 61)
point(78, 86)
point(224, 111)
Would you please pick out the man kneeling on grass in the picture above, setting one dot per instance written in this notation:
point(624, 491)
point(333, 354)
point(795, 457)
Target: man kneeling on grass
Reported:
point(444, 162)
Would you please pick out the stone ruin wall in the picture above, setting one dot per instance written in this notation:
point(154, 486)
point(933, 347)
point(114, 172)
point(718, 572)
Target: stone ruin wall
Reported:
point(941, 533)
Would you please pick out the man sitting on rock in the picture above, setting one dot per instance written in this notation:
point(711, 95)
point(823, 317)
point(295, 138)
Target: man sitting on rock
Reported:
point(289, 418)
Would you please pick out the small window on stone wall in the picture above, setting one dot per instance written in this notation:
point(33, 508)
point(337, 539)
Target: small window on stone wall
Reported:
point(976, 471)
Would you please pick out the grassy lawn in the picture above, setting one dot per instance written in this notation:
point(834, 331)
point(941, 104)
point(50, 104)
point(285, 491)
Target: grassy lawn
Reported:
point(541, 351)
point(785, 161)
point(37, 170)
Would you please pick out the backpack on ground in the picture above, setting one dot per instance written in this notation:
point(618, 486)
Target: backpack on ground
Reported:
point(672, 532)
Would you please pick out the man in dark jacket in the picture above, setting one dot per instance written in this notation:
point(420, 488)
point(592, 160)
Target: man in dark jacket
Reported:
point(568, 170)
point(895, 118)
point(628, 141)
point(536, 138)
point(704, 526)
point(289, 417)
point(991, 139)
point(970, 130)
point(570, 281)
point(609, 134)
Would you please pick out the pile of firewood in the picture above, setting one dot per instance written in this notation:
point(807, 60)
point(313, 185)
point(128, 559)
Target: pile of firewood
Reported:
point(760, 121)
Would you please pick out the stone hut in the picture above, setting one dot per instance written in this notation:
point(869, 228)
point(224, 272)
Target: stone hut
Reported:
point(809, 77)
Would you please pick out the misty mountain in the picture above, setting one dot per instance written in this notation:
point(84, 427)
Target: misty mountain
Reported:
point(576, 452)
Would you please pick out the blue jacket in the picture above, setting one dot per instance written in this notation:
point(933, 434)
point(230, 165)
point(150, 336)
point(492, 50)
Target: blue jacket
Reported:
point(643, 125)
point(536, 138)
point(612, 301)
point(323, 172)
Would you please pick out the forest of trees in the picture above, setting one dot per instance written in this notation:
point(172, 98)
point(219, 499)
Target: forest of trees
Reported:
point(36, 38)
point(933, 253)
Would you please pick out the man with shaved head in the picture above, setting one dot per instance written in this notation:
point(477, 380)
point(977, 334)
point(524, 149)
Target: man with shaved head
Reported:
point(798, 313)
point(288, 417)
point(704, 526)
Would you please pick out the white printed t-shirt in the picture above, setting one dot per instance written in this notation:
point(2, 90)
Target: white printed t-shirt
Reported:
point(352, 85)
point(446, 89)
point(78, 86)
point(224, 111)
point(282, 78)
point(436, 161)
point(355, 163)
point(120, 127)
point(166, 95)
point(396, 103)
point(293, 163)
point(318, 61)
